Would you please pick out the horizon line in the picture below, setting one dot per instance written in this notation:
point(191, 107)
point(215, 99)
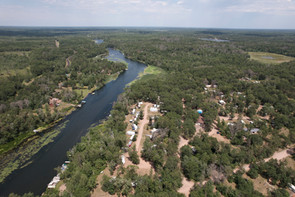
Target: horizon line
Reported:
point(141, 27)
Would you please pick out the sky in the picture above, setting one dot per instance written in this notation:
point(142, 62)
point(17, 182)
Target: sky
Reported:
point(253, 14)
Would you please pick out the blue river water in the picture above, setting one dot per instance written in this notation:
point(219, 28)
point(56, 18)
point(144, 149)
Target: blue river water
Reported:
point(35, 177)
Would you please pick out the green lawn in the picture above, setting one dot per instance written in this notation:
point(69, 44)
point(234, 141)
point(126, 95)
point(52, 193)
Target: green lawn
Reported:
point(270, 58)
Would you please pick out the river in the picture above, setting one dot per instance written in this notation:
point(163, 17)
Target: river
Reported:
point(35, 177)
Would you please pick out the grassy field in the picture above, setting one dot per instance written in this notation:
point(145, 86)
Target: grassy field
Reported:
point(14, 72)
point(270, 58)
point(150, 70)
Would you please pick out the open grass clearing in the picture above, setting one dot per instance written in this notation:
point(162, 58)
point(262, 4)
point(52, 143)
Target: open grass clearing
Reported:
point(290, 163)
point(269, 58)
point(261, 185)
point(13, 72)
point(148, 72)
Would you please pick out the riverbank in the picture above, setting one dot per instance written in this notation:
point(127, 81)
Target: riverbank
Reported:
point(11, 151)
point(39, 171)
point(18, 158)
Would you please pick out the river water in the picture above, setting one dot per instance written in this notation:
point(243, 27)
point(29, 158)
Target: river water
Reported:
point(35, 177)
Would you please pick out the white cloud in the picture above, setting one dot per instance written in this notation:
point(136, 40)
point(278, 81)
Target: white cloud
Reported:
point(275, 7)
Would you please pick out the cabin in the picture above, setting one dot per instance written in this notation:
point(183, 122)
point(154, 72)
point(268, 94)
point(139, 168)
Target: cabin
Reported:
point(54, 102)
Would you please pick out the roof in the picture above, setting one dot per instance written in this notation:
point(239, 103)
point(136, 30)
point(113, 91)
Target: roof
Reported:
point(255, 130)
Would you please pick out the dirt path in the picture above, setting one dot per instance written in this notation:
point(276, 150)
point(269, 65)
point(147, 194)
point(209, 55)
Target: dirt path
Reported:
point(220, 138)
point(182, 143)
point(143, 166)
point(141, 125)
point(186, 187)
point(279, 155)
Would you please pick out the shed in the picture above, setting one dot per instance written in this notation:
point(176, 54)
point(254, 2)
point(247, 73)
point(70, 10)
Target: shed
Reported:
point(221, 102)
point(255, 130)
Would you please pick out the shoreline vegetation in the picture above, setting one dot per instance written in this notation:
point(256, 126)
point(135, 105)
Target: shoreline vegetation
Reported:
point(5, 148)
point(21, 155)
point(9, 150)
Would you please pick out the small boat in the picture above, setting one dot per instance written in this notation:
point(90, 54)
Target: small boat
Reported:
point(83, 102)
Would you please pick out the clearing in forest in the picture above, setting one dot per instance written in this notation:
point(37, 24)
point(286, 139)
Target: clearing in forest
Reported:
point(270, 58)
point(148, 71)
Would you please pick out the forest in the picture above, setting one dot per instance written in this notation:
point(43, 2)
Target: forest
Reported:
point(255, 120)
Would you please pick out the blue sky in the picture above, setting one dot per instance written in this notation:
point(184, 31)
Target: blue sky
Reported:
point(269, 14)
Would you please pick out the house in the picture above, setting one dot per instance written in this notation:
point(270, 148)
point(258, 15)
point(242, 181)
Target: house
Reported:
point(54, 102)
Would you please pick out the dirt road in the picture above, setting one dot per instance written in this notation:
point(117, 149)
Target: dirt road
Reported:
point(141, 125)
point(279, 155)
